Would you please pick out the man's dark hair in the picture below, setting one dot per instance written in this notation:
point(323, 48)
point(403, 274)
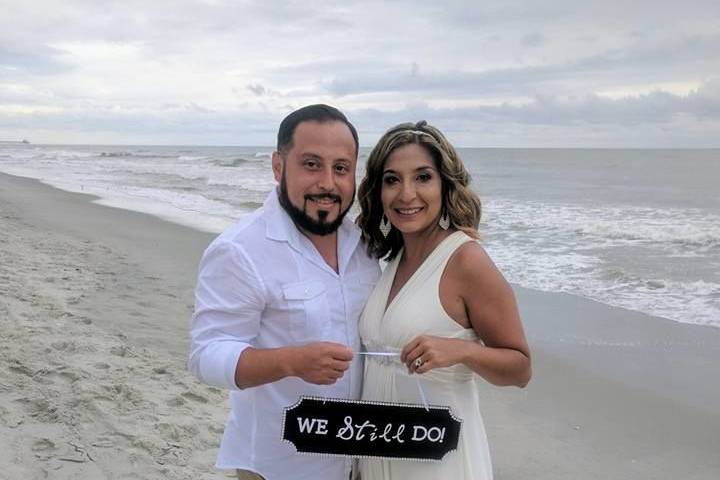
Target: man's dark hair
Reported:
point(312, 113)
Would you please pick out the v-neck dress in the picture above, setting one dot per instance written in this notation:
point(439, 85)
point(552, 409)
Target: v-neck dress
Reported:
point(416, 310)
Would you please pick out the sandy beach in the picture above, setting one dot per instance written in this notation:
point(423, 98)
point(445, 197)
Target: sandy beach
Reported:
point(95, 304)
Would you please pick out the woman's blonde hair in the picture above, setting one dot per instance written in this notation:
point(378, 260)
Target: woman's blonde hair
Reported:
point(460, 203)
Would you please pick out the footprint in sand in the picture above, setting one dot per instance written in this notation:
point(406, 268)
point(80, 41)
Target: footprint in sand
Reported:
point(65, 346)
point(17, 367)
point(176, 402)
point(42, 409)
point(43, 448)
point(195, 397)
point(10, 418)
point(122, 351)
point(105, 441)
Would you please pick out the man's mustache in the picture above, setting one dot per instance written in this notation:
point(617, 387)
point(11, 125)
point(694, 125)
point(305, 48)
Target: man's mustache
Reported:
point(323, 196)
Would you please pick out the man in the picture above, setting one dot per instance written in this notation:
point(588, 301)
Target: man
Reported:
point(279, 297)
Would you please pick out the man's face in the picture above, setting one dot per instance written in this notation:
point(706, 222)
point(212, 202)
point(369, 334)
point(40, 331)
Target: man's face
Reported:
point(317, 176)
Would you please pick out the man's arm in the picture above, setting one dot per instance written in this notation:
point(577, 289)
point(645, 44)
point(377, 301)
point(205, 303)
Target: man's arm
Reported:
point(229, 302)
point(322, 363)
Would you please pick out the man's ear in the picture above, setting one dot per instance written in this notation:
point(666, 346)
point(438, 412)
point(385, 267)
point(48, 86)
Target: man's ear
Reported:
point(277, 166)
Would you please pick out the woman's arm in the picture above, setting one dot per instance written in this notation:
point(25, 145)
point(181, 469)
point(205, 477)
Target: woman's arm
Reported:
point(491, 310)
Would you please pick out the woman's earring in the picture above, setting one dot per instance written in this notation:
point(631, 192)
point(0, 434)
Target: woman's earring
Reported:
point(444, 221)
point(385, 226)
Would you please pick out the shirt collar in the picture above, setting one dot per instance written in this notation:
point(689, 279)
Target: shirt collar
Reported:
point(279, 224)
point(281, 227)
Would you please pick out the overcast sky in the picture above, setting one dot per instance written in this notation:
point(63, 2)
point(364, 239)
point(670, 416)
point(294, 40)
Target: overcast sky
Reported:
point(507, 73)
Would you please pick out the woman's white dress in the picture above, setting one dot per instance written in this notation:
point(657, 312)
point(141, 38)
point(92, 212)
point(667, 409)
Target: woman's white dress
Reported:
point(416, 310)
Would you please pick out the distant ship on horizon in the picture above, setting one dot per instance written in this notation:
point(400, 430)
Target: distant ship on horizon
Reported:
point(15, 142)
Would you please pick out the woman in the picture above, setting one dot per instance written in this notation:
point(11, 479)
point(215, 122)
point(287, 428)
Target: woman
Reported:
point(441, 302)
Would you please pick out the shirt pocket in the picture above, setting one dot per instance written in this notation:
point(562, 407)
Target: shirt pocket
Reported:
point(309, 312)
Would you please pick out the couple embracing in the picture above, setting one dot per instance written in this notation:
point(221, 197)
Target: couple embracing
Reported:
point(287, 298)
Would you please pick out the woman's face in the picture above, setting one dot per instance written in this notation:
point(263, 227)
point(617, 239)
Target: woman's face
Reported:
point(411, 191)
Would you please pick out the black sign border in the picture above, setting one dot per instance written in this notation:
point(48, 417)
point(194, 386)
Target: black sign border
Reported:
point(369, 402)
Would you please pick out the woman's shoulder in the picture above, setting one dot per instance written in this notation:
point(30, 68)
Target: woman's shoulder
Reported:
point(471, 263)
point(469, 250)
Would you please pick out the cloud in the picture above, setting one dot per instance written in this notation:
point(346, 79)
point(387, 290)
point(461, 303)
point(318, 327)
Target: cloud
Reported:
point(657, 107)
point(519, 69)
point(31, 59)
point(690, 55)
point(533, 39)
point(604, 121)
point(257, 89)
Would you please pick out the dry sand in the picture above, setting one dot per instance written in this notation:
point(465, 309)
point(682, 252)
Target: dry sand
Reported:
point(94, 310)
point(95, 304)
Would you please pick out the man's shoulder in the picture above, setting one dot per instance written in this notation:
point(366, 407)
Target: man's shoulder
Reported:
point(247, 232)
point(365, 259)
point(366, 262)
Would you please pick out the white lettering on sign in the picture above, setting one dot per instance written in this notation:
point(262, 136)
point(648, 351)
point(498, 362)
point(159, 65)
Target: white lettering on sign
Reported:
point(358, 431)
point(432, 434)
point(371, 429)
point(307, 425)
point(350, 430)
point(322, 427)
point(390, 433)
point(396, 437)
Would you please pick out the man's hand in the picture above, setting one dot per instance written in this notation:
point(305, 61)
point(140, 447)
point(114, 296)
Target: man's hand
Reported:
point(321, 363)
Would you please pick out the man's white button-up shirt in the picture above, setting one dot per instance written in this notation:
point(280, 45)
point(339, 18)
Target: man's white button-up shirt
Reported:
point(263, 284)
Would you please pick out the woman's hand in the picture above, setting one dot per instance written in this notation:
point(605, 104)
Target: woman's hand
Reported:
point(426, 352)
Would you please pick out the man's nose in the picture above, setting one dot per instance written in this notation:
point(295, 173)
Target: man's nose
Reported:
point(327, 179)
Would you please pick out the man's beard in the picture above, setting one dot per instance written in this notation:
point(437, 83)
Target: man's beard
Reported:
point(305, 222)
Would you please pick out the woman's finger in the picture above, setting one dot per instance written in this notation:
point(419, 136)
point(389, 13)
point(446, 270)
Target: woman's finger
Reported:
point(413, 357)
point(424, 367)
point(411, 345)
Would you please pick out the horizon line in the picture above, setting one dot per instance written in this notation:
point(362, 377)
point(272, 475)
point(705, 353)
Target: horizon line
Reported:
point(558, 147)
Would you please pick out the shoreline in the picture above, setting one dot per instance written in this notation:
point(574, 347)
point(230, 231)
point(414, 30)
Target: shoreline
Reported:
point(214, 225)
point(98, 302)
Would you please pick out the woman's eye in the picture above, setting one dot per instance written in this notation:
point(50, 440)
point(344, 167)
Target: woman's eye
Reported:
point(424, 177)
point(390, 180)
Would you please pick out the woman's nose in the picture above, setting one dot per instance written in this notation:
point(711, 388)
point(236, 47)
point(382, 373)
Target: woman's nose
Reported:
point(407, 192)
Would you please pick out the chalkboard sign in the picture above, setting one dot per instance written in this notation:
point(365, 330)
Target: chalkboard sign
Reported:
point(370, 429)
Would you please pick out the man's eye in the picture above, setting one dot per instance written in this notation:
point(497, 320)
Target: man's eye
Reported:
point(311, 163)
point(341, 169)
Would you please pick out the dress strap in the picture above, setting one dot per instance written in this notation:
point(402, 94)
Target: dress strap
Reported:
point(444, 251)
point(455, 241)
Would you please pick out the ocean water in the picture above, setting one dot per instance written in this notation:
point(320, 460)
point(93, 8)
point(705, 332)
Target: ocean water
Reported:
point(639, 229)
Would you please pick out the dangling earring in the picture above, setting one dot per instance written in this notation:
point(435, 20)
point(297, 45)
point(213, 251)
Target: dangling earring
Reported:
point(444, 221)
point(385, 226)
